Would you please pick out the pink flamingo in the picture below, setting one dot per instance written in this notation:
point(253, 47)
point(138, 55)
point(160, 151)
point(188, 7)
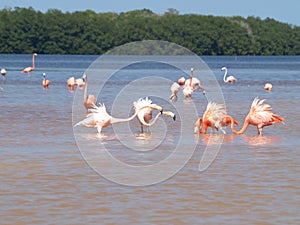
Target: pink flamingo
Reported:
point(215, 116)
point(29, 69)
point(3, 72)
point(88, 100)
point(71, 83)
point(45, 82)
point(268, 87)
point(189, 86)
point(260, 115)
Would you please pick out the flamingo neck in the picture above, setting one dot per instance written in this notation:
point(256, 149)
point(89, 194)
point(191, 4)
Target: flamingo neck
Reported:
point(225, 74)
point(153, 121)
point(244, 128)
point(33, 62)
point(85, 90)
point(121, 120)
point(191, 78)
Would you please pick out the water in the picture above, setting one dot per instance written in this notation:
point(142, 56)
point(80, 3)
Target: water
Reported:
point(45, 180)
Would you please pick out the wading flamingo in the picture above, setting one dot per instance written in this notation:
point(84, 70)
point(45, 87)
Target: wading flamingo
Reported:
point(45, 82)
point(268, 87)
point(230, 79)
point(189, 86)
point(260, 115)
point(29, 69)
point(88, 100)
point(215, 116)
point(3, 72)
point(71, 83)
point(145, 107)
point(99, 118)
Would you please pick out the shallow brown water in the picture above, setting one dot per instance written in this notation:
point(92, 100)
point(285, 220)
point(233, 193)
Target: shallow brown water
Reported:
point(45, 179)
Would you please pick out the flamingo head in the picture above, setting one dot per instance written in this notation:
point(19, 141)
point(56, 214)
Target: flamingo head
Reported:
point(181, 81)
point(84, 77)
point(170, 114)
point(44, 74)
point(224, 68)
point(192, 69)
point(35, 54)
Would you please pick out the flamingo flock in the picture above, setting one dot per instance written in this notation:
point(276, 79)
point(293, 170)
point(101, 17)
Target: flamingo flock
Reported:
point(215, 116)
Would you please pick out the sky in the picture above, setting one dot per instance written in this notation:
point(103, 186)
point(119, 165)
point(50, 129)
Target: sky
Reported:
point(286, 11)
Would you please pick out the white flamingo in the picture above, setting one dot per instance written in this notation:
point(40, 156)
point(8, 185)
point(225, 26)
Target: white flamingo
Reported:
point(144, 109)
point(230, 79)
point(99, 118)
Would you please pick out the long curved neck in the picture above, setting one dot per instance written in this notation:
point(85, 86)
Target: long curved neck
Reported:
point(225, 74)
point(241, 131)
point(120, 120)
point(33, 62)
point(152, 122)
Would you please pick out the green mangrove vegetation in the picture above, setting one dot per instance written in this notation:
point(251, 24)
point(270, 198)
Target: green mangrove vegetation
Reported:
point(25, 30)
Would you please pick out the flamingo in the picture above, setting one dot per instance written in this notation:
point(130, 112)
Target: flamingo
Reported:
point(215, 116)
point(45, 82)
point(29, 69)
point(268, 87)
point(260, 115)
point(88, 100)
point(145, 107)
point(189, 86)
point(80, 82)
point(71, 83)
point(230, 79)
point(3, 72)
point(99, 118)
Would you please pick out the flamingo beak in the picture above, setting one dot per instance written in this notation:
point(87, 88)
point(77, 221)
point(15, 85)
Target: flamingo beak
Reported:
point(174, 117)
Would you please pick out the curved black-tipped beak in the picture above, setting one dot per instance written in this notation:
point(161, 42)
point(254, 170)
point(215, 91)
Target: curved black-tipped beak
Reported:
point(161, 111)
point(174, 117)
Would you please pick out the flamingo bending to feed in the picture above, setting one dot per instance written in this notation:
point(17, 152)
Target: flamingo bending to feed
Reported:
point(145, 107)
point(71, 83)
point(230, 79)
point(99, 118)
point(189, 86)
point(45, 82)
point(215, 116)
point(3, 72)
point(268, 87)
point(88, 100)
point(29, 69)
point(260, 115)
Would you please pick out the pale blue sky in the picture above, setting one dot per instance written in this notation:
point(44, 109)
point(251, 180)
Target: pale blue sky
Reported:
point(286, 11)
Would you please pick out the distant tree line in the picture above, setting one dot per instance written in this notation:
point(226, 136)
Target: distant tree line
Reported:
point(25, 30)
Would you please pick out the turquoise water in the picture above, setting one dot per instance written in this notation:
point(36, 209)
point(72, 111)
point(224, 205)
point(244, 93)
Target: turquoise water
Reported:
point(45, 179)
